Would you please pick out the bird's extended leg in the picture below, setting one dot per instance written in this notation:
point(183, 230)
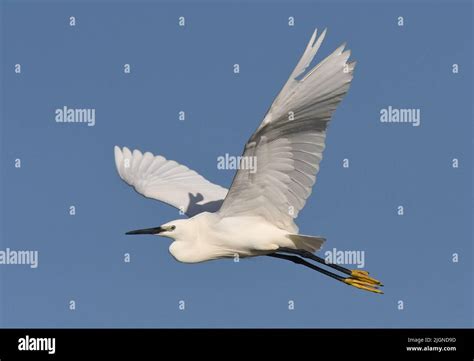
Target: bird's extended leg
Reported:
point(298, 260)
point(357, 274)
point(359, 279)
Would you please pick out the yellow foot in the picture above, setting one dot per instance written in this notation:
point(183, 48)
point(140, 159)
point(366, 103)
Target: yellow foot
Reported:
point(364, 276)
point(363, 285)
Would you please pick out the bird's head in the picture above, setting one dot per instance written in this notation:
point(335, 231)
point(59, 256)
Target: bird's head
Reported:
point(175, 229)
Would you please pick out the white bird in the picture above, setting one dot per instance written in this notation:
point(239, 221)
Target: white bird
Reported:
point(256, 215)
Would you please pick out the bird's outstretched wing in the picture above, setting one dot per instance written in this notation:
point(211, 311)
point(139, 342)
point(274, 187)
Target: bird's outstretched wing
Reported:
point(167, 181)
point(289, 143)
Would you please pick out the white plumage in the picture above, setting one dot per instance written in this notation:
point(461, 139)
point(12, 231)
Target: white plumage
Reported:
point(256, 215)
point(167, 181)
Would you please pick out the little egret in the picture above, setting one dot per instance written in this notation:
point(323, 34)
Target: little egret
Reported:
point(255, 217)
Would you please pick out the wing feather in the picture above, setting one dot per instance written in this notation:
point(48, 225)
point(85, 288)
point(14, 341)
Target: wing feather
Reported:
point(289, 143)
point(167, 181)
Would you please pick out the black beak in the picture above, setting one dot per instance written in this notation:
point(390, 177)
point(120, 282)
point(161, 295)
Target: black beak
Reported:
point(155, 230)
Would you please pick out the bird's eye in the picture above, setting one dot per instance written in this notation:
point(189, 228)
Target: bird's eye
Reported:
point(172, 228)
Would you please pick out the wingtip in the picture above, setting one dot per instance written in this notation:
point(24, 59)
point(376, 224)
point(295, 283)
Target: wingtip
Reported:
point(315, 39)
point(312, 39)
point(323, 34)
point(320, 39)
point(126, 153)
point(137, 153)
point(118, 155)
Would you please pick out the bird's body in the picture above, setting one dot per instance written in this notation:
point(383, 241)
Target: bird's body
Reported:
point(256, 215)
point(209, 236)
point(212, 237)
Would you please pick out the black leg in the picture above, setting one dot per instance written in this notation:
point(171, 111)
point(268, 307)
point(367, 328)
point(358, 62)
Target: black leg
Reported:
point(309, 255)
point(358, 274)
point(362, 282)
point(301, 261)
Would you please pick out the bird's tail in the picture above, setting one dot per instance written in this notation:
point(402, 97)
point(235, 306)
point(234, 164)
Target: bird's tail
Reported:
point(308, 243)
